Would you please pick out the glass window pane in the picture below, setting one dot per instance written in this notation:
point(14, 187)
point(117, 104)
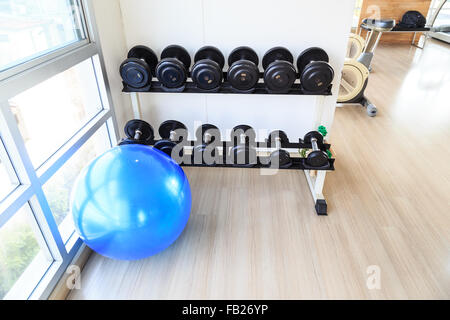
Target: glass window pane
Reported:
point(8, 178)
point(30, 28)
point(23, 261)
point(58, 188)
point(444, 16)
point(50, 113)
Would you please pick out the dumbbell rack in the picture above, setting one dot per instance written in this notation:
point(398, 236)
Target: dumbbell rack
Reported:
point(202, 21)
point(225, 88)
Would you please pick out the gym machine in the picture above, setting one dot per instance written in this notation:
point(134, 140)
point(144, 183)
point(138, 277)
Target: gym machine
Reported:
point(355, 74)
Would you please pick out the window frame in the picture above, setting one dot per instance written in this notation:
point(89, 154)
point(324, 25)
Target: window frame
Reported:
point(42, 57)
point(30, 190)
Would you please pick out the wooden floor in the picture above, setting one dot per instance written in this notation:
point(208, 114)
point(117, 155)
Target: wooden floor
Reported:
point(257, 237)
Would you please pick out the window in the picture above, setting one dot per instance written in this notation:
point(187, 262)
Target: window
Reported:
point(8, 178)
point(55, 117)
point(443, 17)
point(72, 99)
point(32, 28)
point(58, 188)
point(20, 250)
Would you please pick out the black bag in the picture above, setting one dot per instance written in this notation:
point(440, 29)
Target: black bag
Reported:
point(413, 20)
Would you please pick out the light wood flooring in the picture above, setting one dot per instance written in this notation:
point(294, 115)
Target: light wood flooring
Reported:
point(257, 237)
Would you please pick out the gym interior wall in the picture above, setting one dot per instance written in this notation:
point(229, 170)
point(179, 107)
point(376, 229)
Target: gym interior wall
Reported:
point(296, 25)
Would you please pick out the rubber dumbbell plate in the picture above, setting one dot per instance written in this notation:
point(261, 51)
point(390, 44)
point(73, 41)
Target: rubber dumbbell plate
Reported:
point(317, 159)
point(280, 76)
point(135, 72)
point(146, 129)
point(203, 129)
point(282, 157)
point(243, 75)
point(317, 76)
point(145, 53)
point(278, 134)
point(314, 134)
point(172, 125)
point(178, 52)
point(243, 53)
point(277, 53)
point(244, 156)
point(309, 55)
point(199, 151)
point(245, 129)
point(165, 146)
point(210, 53)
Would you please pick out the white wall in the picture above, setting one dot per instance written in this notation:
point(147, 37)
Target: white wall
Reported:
point(112, 39)
point(261, 24)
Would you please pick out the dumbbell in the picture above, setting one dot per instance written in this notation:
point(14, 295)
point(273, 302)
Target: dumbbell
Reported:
point(138, 69)
point(172, 132)
point(243, 153)
point(206, 135)
point(316, 74)
point(138, 132)
point(317, 158)
point(207, 72)
point(280, 156)
point(279, 70)
point(173, 69)
point(243, 74)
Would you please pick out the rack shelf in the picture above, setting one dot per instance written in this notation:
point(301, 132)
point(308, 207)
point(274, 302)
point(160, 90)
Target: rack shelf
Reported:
point(267, 144)
point(297, 162)
point(225, 88)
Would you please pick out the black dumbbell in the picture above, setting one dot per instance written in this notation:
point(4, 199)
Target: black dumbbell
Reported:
point(279, 70)
point(138, 69)
point(207, 72)
point(243, 74)
point(317, 158)
point(316, 74)
point(279, 156)
point(206, 135)
point(138, 132)
point(173, 69)
point(243, 153)
point(172, 132)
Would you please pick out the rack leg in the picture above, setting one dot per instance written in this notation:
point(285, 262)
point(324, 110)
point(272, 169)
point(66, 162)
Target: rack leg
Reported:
point(316, 186)
point(414, 39)
point(136, 106)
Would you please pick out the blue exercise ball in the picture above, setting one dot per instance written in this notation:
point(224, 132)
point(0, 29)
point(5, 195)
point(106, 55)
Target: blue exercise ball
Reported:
point(130, 203)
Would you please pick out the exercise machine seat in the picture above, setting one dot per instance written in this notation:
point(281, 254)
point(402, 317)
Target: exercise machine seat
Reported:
point(379, 24)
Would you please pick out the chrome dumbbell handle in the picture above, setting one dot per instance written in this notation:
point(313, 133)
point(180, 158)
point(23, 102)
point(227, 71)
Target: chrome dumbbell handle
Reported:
point(315, 147)
point(243, 137)
point(137, 134)
point(278, 143)
point(208, 137)
point(173, 135)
